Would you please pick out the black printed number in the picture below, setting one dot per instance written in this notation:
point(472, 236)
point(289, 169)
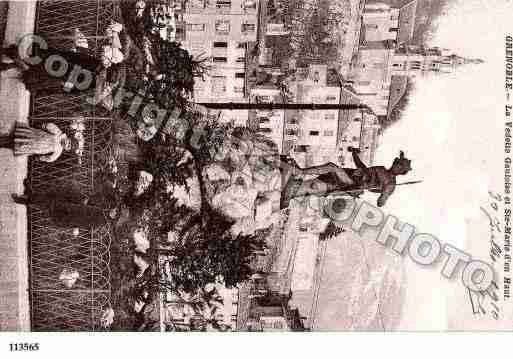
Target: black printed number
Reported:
point(24, 347)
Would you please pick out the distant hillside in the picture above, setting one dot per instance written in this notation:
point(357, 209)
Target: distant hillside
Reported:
point(428, 12)
point(316, 28)
point(399, 108)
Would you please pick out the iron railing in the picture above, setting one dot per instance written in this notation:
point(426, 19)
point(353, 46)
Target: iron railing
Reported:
point(54, 306)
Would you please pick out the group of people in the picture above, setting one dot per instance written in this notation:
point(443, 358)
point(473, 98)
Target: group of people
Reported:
point(67, 207)
point(48, 142)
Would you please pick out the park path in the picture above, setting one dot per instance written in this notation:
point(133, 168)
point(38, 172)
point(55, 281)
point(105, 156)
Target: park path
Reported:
point(14, 106)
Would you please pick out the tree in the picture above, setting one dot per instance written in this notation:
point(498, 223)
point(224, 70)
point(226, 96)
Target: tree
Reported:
point(205, 250)
point(205, 305)
point(170, 165)
point(162, 71)
point(173, 160)
point(178, 69)
point(203, 256)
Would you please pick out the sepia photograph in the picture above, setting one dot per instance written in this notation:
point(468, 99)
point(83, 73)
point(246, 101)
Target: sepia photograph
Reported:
point(255, 166)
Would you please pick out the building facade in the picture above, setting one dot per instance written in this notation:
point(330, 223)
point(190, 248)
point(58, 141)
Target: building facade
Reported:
point(219, 31)
point(269, 123)
point(380, 22)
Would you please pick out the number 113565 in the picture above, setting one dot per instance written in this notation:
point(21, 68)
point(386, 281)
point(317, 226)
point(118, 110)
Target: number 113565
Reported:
point(24, 347)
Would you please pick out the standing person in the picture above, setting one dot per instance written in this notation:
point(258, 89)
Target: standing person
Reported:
point(66, 208)
point(74, 70)
point(47, 143)
point(47, 74)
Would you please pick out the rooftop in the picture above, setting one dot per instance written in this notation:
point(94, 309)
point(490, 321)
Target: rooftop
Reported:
point(407, 15)
point(398, 87)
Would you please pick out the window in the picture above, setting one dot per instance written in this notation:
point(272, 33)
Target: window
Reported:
point(263, 98)
point(238, 89)
point(314, 133)
point(264, 120)
point(292, 121)
point(195, 27)
point(240, 75)
point(328, 133)
point(240, 59)
point(222, 27)
point(329, 116)
point(197, 4)
point(213, 116)
point(393, 29)
point(291, 132)
point(248, 27)
point(219, 59)
point(265, 130)
point(331, 98)
point(416, 65)
point(218, 84)
point(278, 325)
point(223, 4)
point(249, 5)
point(197, 47)
point(354, 139)
point(220, 44)
point(316, 76)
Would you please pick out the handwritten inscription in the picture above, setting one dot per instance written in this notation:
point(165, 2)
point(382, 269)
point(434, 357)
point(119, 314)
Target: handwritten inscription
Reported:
point(485, 302)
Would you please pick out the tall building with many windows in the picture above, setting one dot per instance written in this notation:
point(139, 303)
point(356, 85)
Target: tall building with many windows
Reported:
point(311, 135)
point(384, 28)
point(269, 123)
point(218, 31)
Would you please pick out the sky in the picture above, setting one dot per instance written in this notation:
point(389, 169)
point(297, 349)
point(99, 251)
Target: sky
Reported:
point(453, 123)
point(452, 131)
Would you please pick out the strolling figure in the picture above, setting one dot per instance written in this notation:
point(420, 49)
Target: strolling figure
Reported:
point(47, 74)
point(66, 207)
point(74, 69)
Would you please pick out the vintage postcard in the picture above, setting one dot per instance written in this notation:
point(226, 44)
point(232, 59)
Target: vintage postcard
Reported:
point(255, 165)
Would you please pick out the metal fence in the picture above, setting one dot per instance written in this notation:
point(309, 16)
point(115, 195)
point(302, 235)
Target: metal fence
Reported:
point(53, 249)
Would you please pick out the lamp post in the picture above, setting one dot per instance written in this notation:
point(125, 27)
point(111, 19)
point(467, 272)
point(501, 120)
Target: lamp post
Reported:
point(280, 106)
